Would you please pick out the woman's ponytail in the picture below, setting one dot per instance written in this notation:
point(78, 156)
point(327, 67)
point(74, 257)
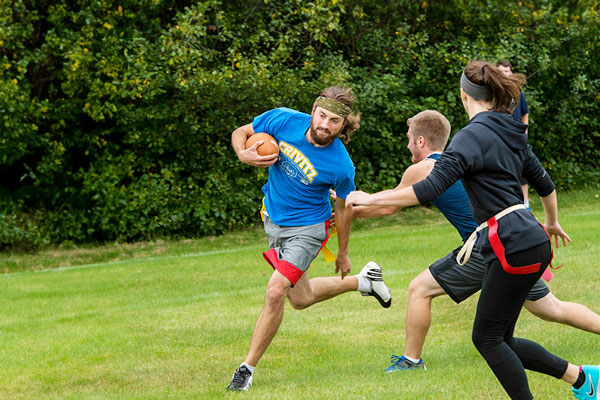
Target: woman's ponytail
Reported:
point(505, 90)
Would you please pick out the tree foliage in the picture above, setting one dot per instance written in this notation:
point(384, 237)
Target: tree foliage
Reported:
point(117, 115)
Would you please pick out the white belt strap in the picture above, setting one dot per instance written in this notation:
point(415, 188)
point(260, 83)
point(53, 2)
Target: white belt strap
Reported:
point(465, 252)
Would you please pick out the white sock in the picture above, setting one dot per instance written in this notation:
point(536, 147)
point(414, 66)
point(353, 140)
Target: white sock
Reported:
point(364, 285)
point(411, 359)
point(250, 367)
point(526, 202)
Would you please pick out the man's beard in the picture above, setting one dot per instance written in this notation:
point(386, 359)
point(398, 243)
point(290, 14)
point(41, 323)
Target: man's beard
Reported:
point(322, 140)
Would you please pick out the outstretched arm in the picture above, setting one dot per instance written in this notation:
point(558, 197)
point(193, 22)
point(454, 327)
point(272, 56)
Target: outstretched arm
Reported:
point(397, 197)
point(250, 156)
point(373, 211)
point(554, 229)
point(412, 175)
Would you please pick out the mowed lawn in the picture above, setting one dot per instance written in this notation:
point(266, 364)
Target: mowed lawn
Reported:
point(173, 320)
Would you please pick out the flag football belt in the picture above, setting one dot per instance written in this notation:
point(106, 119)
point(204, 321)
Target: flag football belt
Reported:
point(328, 254)
point(465, 252)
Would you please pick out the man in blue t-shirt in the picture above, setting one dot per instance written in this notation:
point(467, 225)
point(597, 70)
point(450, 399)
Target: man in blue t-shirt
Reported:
point(427, 136)
point(312, 160)
point(521, 113)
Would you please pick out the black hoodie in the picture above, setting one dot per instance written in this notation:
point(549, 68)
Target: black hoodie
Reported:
point(490, 155)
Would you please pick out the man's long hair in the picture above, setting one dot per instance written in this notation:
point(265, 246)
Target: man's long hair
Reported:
point(344, 96)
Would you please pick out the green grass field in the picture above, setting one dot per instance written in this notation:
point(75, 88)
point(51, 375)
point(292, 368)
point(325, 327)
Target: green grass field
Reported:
point(172, 320)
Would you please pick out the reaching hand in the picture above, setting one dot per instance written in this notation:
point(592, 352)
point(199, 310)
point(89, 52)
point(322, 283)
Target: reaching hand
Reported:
point(557, 232)
point(357, 198)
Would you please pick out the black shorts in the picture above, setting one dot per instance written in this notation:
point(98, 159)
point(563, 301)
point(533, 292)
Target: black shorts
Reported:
point(461, 281)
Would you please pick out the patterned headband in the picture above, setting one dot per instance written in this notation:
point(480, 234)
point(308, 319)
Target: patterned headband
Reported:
point(333, 105)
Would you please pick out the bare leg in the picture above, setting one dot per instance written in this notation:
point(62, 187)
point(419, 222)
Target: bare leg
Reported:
point(551, 309)
point(421, 291)
point(525, 189)
point(310, 291)
point(571, 374)
point(270, 317)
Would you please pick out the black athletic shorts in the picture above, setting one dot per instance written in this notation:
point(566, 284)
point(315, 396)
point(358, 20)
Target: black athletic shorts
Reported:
point(461, 281)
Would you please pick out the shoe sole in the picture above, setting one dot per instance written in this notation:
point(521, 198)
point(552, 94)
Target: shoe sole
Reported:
point(384, 304)
point(244, 389)
point(405, 369)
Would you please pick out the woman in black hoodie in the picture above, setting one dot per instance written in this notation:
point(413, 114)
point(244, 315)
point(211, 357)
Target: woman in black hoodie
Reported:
point(490, 155)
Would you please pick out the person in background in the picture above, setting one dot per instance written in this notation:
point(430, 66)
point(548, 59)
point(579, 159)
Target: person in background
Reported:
point(521, 113)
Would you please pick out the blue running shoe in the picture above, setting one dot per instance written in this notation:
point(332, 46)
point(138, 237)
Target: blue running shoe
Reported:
point(589, 389)
point(404, 364)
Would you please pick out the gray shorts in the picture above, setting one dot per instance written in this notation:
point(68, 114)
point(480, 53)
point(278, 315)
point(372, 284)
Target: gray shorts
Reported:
point(293, 248)
point(461, 281)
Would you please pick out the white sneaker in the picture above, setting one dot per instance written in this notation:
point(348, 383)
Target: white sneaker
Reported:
point(373, 273)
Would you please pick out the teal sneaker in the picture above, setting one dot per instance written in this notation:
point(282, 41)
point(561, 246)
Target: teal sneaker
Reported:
point(589, 389)
point(404, 364)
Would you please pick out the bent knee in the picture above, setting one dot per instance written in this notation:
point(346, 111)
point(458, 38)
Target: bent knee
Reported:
point(299, 304)
point(551, 315)
point(551, 310)
point(275, 296)
point(421, 288)
point(480, 340)
point(486, 342)
point(415, 287)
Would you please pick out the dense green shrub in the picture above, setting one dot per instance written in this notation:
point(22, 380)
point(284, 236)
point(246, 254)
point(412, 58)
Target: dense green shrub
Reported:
point(117, 115)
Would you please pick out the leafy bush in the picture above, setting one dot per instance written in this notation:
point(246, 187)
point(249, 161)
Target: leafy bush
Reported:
point(117, 116)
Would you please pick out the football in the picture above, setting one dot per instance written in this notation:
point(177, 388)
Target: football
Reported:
point(269, 146)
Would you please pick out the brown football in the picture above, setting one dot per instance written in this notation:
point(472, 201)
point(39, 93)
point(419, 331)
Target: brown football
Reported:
point(268, 147)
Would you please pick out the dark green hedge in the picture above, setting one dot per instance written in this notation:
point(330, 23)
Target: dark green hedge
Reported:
point(117, 115)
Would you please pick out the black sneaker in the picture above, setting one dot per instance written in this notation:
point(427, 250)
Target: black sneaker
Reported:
point(379, 290)
point(241, 379)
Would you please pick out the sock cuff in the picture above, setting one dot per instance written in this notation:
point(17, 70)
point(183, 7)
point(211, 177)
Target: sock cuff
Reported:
point(580, 379)
point(250, 367)
point(364, 285)
point(414, 360)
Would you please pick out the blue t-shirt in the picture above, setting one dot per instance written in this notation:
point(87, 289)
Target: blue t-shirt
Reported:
point(454, 204)
point(297, 191)
point(521, 108)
